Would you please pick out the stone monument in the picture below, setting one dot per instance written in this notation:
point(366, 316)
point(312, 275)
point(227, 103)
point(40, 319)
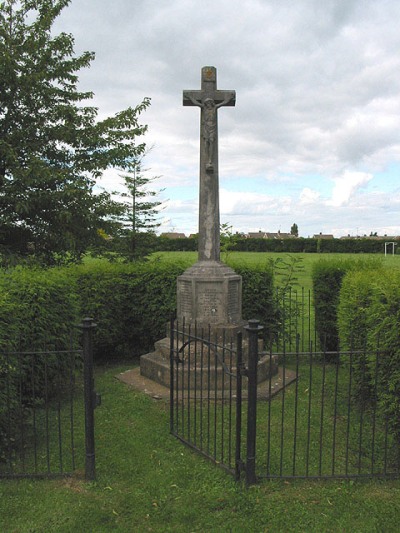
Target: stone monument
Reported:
point(209, 292)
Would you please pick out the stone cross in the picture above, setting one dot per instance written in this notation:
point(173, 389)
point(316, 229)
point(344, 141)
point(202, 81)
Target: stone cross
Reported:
point(209, 99)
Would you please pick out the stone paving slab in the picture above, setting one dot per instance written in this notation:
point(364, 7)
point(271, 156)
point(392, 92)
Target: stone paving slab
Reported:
point(136, 381)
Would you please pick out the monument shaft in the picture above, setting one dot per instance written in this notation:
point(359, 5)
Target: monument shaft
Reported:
point(209, 292)
point(209, 99)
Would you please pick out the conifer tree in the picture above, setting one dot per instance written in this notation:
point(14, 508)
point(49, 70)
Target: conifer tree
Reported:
point(139, 211)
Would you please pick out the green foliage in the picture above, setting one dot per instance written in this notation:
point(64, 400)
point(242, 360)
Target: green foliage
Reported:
point(138, 216)
point(327, 278)
point(131, 303)
point(258, 300)
point(37, 312)
point(286, 272)
point(189, 244)
point(228, 240)
point(288, 245)
point(52, 147)
point(369, 317)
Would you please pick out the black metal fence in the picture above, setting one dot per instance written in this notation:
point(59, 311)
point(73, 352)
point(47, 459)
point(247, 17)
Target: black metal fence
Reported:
point(328, 422)
point(292, 411)
point(47, 401)
point(205, 402)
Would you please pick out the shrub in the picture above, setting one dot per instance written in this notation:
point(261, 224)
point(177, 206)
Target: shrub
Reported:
point(327, 276)
point(369, 316)
point(130, 303)
point(258, 296)
point(37, 310)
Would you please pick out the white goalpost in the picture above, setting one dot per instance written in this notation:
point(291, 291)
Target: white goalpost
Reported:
point(388, 244)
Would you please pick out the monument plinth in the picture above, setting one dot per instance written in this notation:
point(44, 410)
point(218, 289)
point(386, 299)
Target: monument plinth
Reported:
point(209, 293)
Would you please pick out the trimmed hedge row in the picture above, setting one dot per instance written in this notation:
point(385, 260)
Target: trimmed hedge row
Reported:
point(37, 309)
point(327, 276)
point(369, 318)
point(300, 244)
point(258, 295)
point(130, 303)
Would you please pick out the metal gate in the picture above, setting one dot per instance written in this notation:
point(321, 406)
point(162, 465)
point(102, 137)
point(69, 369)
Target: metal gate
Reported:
point(206, 393)
point(47, 403)
point(318, 415)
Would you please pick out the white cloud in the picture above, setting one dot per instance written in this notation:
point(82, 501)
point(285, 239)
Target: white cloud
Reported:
point(347, 185)
point(308, 196)
point(318, 94)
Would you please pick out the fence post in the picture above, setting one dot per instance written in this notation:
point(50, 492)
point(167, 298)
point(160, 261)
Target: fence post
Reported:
point(90, 397)
point(239, 373)
point(171, 372)
point(253, 329)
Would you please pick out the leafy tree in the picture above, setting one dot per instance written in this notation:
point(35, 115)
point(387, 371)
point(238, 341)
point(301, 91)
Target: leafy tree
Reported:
point(52, 147)
point(294, 230)
point(228, 240)
point(139, 211)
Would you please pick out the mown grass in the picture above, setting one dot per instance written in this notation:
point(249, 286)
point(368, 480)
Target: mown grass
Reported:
point(305, 260)
point(148, 481)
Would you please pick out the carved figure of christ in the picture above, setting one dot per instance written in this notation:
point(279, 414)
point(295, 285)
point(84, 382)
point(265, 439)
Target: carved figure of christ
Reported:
point(209, 99)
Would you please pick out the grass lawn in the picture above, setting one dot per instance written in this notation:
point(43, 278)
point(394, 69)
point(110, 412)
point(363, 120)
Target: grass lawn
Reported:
point(148, 481)
point(306, 260)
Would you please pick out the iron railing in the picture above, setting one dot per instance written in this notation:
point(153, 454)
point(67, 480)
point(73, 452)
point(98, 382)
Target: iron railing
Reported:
point(43, 430)
point(328, 423)
point(322, 416)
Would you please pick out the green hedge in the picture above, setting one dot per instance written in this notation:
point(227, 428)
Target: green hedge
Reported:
point(37, 309)
point(46, 304)
point(327, 279)
point(369, 318)
point(258, 296)
point(131, 303)
point(291, 245)
point(327, 276)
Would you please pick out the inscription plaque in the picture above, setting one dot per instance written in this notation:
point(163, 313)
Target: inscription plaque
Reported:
point(185, 299)
point(234, 300)
point(210, 300)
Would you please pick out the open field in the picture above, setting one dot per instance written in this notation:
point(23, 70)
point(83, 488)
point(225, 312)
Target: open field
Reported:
point(148, 481)
point(304, 260)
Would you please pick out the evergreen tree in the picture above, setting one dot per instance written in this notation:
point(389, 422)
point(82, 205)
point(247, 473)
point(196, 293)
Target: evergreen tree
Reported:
point(139, 212)
point(294, 230)
point(52, 147)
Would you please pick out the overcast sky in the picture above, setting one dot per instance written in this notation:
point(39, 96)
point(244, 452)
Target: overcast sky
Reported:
point(315, 135)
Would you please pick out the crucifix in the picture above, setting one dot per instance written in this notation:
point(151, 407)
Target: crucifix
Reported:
point(209, 99)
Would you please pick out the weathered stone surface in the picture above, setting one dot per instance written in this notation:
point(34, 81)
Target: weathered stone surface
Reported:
point(209, 293)
point(209, 99)
point(190, 376)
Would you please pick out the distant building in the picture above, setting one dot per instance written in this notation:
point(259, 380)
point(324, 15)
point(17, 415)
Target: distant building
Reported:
point(372, 237)
point(323, 236)
point(173, 235)
point(268, 235)
point(257, 235)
